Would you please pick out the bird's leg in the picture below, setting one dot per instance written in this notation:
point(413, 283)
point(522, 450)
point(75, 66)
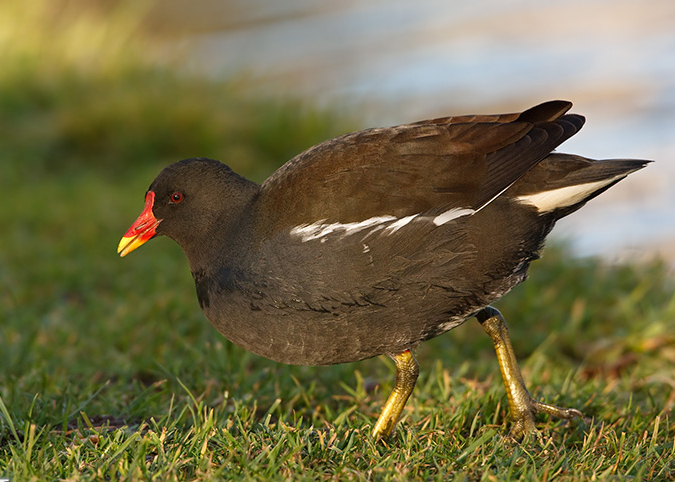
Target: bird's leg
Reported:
point(522, 406)
point(406, 376)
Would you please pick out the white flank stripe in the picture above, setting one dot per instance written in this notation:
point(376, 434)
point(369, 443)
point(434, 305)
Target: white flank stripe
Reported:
point(562, 197)
point(389, 225)
point(393, 227)
point(320, 229)
point(451, 214)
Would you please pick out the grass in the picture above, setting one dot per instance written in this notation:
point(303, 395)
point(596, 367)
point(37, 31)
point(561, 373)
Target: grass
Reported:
point(108, 370)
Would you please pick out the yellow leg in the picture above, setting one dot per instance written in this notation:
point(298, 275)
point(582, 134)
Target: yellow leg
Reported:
point(522, 406)
point(406, 376)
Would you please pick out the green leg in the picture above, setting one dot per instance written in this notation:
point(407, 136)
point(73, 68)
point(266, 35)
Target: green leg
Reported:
point(406, 376)
point(522, 406)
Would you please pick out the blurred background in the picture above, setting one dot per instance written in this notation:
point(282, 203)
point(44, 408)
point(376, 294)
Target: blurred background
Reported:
point(96, 96)
point(391, 62)
point(175, 79)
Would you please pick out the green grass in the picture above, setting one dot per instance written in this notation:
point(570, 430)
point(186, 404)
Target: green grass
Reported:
point(108, 369)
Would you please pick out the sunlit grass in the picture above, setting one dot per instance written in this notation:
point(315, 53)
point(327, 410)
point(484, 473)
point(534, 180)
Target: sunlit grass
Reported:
point(56, 35)
point(83, 88)
point(108, 369)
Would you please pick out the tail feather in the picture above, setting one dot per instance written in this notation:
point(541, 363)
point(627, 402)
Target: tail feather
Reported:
point(562, 183)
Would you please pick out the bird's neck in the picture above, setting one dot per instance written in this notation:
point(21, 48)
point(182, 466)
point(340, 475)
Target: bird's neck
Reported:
point(224, 241)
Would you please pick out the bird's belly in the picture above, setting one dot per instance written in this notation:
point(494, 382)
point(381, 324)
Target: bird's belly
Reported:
point(332, 328)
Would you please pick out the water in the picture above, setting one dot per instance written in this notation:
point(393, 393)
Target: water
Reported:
point(397, 61)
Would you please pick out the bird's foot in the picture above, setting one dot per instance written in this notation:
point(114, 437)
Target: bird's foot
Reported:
point(521, 404)
point(523, 416)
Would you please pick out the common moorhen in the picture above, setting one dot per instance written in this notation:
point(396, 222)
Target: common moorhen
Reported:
point(375, 241)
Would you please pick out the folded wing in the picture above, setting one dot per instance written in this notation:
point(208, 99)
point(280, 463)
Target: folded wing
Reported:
point(427, 167)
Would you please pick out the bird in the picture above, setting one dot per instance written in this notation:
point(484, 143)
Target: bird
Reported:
point(372, 242)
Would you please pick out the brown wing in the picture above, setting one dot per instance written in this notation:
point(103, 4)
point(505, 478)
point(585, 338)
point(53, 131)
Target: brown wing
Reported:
point(548, 111)
point(430, 166)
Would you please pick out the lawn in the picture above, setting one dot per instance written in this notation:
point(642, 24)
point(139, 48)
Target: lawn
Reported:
point(109, 370)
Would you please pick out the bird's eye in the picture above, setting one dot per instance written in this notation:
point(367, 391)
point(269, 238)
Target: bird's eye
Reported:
point(176, 197)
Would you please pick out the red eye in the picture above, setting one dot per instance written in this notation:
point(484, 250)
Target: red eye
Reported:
point(176, 197)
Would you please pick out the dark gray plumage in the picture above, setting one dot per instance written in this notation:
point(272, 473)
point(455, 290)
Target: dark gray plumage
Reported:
point(377, 240)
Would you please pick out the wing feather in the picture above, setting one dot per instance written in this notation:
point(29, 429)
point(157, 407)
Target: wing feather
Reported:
point(429, 166)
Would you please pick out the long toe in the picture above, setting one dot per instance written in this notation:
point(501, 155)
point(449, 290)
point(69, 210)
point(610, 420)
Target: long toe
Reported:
point(523, 423)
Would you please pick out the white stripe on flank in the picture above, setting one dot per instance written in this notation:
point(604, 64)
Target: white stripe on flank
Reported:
point(451, 214)
point(395, 226)
point(320, 229)
point(546, 201)
point(389, 225)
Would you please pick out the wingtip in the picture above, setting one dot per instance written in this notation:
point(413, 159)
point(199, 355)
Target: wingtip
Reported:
point(546, 111)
